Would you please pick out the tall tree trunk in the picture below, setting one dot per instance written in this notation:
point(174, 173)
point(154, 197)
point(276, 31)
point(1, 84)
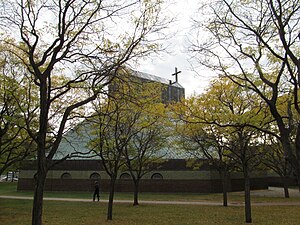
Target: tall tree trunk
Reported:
point(297, 150)
point(111, 198)
point(37, 208)
point(136, 192)
point(40, 177)
point(247, 198)
point(285, 186)
point(224, 187)
point(291, 149)
point(298, 180)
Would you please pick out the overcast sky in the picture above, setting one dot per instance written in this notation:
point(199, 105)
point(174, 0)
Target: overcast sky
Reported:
point(164, 64)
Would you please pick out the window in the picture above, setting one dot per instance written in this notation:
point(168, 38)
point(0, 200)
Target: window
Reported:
point(66, 176)
point(156, 176)
point(125, 176)
point(95, 176)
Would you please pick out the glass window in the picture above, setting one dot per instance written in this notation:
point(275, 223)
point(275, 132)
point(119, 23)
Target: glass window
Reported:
point(156, 176)
point(95, 176)
point(66, 176)
point(125, 176)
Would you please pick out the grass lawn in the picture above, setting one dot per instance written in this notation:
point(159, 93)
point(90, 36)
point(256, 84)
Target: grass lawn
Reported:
point(18, 212)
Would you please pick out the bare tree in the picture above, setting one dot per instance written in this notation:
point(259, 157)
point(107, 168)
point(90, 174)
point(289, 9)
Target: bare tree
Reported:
point(82, 40)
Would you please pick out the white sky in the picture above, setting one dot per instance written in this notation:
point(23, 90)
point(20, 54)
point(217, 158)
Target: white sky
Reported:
point(164, 65)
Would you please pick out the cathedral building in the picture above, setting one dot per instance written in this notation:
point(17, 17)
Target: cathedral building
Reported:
point(173, 175)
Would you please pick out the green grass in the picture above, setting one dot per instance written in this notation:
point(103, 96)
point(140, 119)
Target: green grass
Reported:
point(17, 212)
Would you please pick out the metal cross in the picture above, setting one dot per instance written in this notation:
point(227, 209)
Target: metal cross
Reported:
point(176, 74)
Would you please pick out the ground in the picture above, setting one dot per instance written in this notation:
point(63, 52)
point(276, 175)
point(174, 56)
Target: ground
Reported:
point(268, 207)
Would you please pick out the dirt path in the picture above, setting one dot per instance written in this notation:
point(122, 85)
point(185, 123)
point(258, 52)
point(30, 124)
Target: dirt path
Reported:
point(207, 203)
point(275, 192)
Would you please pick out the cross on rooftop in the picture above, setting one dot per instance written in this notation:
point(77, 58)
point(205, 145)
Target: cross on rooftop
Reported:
point(176, 74)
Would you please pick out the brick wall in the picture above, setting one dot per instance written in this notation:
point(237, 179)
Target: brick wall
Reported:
point(192, 186)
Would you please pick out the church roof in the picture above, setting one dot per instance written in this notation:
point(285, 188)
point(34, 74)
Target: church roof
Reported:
point(77, 139)
point(151, 77)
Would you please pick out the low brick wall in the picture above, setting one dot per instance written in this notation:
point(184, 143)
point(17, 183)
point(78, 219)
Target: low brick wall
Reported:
point(177, 177)
point(192, 186)
point(277, 182)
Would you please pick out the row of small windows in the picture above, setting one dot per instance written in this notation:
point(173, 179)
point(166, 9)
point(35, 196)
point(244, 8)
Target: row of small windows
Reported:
point(123, 176)
point(155, 176)
point(94, 176)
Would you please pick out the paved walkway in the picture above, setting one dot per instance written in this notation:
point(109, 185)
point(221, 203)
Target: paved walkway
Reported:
point(207, 203)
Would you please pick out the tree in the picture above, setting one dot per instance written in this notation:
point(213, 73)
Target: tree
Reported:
point(231, 108)
point(119, 126)
point(143, 156)
point(112, 133)
point(274, 159)
point(143, 152)
point(206, 141)
point(15, 144)
point(81, 40)
point(246, 154)
point(255, 44)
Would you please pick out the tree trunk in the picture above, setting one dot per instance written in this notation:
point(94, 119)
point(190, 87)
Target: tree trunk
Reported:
point(224, 188)
point(136, 193)
point(297, 169)
point(37, 208)
point(291, 149)
point(42, 170)
point(247, 198)
point(111, 198)
point(298, 181)
point(285, 187)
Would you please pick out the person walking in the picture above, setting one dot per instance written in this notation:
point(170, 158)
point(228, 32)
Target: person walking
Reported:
point(96, 191)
